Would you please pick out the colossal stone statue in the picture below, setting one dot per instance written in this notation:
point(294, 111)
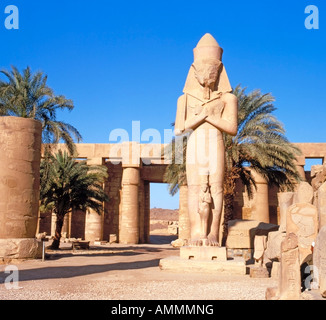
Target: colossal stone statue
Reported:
point(205, 111)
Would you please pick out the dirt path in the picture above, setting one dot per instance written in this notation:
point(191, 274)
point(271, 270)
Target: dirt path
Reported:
point(117, 272)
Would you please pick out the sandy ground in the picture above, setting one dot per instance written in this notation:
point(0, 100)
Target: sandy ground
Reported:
point(117, 272)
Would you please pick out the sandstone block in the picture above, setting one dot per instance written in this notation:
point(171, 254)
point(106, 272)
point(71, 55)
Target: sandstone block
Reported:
point(321, 205)
point(304, 193)
point(290, 276)
point(289, 287)
point(302, 220)
point(179, 243)
point(275, 269)
point(285, 200)
point(242, 233)
point(319, 260)
point(260, 247)
point(20, 249)
point(273, 251)
point(318, 173)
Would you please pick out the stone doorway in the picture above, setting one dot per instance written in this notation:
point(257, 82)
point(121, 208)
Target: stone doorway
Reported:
point(164, 214)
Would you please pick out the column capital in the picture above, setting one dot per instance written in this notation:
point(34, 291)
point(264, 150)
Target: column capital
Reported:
point(131, 176)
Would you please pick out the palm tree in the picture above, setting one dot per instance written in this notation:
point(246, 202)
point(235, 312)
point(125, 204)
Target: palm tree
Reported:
point(70, 185)
point(27, 95)
point(260, 145)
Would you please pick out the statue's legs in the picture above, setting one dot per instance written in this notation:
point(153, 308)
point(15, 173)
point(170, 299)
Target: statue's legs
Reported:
point(194, 217)
point(205, 162)
point(216, 186)
point(193, 181)
point(217, 206)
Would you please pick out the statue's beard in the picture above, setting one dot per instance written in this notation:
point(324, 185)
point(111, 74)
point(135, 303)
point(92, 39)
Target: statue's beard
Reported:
point(208, 85)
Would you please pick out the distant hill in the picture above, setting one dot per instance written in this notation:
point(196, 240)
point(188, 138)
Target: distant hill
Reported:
point(164, 214)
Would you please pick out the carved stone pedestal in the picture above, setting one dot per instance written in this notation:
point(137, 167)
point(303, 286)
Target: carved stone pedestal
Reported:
point(203, 260)
point(203, 253)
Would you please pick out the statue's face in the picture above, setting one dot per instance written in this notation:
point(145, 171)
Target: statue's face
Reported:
point(207, 73)
point(204, 188)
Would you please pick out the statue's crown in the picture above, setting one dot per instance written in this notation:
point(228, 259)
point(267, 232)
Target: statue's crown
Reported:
point(208, 48)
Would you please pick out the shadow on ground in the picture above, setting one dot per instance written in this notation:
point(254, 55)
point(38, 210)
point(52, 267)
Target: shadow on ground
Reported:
point(158, 244)
point(64, 272)
point(162, 239)
point(95, 251)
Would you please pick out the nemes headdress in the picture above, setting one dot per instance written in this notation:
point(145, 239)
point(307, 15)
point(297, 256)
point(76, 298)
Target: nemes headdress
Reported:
point(207, 50)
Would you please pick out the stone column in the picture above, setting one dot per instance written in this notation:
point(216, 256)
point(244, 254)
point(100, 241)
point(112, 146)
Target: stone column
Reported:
point(147, 209)
point(260, 204)
point(94, 221)
point(129, 221)
point(141, 212)
point(20, 156)
point(66, 228)
point(184, 222)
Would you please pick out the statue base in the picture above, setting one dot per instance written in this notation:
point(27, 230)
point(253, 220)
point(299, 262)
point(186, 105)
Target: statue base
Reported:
point(203, 260)
point(203, 253)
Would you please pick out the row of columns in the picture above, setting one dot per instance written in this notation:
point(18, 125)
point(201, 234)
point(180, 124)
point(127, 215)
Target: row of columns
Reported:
point(129, 215)
point(129, 224)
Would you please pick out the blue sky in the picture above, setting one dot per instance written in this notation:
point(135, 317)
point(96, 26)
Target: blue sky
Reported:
point(127, 61)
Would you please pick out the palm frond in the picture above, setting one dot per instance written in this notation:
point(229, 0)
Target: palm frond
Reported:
point(27, 95)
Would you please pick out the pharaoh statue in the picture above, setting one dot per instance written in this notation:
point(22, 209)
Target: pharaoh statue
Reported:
point(205, 111)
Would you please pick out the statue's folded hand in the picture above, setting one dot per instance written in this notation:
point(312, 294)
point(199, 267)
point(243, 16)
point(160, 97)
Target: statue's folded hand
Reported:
point(215, 108)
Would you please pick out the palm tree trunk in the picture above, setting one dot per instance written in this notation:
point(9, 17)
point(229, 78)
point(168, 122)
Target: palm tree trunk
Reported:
point(228, 214)
point(57, 236)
